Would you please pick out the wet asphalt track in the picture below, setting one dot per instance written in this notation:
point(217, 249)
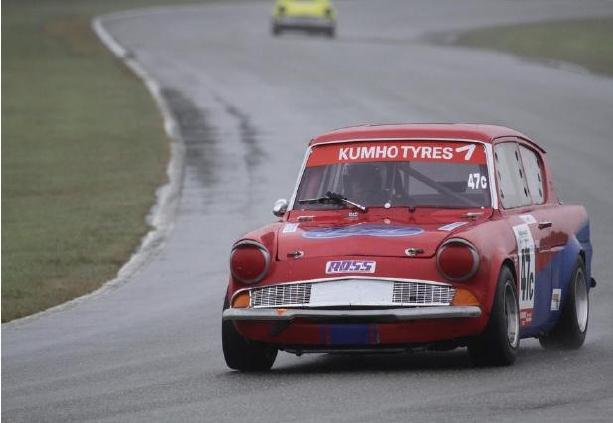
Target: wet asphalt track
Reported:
point(247, 103)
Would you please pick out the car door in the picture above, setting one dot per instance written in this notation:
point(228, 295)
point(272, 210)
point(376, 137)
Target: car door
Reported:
point(549, 217)
point(522, 215)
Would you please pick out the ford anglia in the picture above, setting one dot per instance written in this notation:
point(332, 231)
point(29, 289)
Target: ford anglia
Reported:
point(399, 237)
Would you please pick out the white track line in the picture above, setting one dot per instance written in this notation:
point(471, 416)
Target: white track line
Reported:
point(162, 214)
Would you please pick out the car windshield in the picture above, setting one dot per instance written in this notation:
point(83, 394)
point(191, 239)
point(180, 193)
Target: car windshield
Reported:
point(399, 174)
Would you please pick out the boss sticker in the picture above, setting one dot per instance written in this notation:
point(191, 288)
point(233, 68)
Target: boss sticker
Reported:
point(351, 266)
point(527, 260)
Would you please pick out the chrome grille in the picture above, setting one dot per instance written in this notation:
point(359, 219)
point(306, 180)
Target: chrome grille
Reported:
point(281, 295)
point(403, 293)
point(419, 293)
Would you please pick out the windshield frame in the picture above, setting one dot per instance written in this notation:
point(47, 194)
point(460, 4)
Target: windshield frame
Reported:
point(488, 158)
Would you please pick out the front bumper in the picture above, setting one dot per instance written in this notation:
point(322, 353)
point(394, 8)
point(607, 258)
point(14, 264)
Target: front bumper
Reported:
point(354, 311)
point(387, 315)
point(304, 22)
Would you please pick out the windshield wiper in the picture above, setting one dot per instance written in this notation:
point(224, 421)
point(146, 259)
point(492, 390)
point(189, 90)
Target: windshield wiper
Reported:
point(333, 197)
point(443, 206)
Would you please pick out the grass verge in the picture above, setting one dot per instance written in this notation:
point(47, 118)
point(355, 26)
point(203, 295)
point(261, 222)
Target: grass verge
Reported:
point(83, 150)
point(586, 42)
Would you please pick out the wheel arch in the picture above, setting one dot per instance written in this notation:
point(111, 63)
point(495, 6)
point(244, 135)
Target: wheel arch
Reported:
point(496, 267)
point(508, 262)
point(573, 250)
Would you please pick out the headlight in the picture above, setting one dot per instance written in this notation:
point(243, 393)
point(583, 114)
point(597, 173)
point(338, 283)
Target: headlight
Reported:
point(249, 261)
point(457, 260)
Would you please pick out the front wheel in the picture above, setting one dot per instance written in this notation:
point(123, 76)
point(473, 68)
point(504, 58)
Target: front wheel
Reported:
point(242, 354)
point(498, 344)
point(570, 330)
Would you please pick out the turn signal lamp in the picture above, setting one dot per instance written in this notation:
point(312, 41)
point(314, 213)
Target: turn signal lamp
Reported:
point(242, 300)
point(463, 297)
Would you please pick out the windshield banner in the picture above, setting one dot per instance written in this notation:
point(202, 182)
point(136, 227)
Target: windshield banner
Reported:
point(426, 151)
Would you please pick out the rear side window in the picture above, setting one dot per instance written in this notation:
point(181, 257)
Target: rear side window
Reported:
point(512, 184)
point(534, 174)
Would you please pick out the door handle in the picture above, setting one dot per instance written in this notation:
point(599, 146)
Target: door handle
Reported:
point(544, 225)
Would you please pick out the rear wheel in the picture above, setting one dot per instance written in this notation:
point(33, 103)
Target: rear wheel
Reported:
point(498, 344)
point(276, 30)
point(570, 331)
point(243, 354)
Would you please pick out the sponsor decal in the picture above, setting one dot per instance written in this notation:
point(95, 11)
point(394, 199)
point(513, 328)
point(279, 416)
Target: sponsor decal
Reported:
point(527, 218)
point(405, 152)
point(556, 297)
point(361, 230)
point(451, 226)
point(457, 152)
point(350, 266)
point(290, 228)
point(527, 261)
point(525, 317)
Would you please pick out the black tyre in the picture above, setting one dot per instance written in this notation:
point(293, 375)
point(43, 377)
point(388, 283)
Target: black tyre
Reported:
point(242, 354)
point(498, 344)
point(570, 330)
point(331, 32)
point(276, 30)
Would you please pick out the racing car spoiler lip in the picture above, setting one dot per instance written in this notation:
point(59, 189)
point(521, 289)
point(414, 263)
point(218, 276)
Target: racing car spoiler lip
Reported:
point(370, 315)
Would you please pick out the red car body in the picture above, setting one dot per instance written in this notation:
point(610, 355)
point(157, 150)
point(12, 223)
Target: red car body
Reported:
point(540, 243)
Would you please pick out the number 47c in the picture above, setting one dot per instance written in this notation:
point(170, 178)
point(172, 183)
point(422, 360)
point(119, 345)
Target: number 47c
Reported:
point(476, 181)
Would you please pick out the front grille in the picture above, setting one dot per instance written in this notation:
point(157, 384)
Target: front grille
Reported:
point(281, 295)
point(419, 293)
point(404, 293)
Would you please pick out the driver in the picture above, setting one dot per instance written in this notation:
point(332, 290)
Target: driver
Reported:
point(363, 184)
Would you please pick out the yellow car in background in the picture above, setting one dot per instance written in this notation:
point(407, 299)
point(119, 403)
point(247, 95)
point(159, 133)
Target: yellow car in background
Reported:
point(306, 15)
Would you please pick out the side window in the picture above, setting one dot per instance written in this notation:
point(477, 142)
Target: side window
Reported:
point(534, 174)
point(512, 185)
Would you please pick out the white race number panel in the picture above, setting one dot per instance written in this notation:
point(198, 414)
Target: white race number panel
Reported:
point(361, 292)
point(526, 255)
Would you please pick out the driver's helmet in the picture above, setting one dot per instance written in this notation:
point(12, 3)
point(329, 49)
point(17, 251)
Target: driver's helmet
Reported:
point(363, 182)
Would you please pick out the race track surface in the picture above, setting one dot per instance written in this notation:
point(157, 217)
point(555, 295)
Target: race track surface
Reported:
point(150, 349)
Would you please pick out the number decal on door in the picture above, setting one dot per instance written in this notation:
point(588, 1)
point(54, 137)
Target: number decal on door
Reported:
point(527, 276)
point(526, 256)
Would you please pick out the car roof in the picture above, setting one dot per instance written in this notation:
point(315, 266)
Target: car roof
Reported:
point(455, 131)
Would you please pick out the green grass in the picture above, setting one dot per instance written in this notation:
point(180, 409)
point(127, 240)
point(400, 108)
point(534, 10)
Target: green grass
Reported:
point(586, 42)
point(83, 150)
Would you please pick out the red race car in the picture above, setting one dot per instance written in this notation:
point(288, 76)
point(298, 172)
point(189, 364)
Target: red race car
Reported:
point(400, 237)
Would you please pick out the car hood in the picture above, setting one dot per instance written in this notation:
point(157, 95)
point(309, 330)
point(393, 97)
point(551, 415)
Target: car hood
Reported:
point(360, 239)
